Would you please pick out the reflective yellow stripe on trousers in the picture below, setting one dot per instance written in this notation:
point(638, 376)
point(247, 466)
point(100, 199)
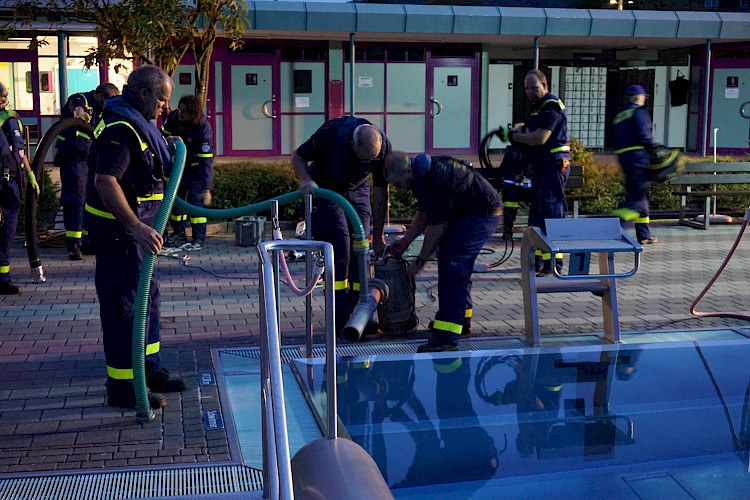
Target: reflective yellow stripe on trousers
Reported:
point(447, 326)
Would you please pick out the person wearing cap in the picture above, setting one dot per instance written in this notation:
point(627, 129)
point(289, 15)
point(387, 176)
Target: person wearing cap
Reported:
point(633, 145)
point(546, 134)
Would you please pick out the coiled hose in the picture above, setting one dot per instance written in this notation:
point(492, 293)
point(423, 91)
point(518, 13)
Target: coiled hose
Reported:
point(37, 164)
point(144, 413)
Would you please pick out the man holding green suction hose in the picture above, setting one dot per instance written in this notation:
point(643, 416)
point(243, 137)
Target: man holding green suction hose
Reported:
point(128, 164)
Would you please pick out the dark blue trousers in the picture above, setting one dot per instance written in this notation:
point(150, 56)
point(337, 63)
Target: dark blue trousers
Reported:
point(118, 263)
point(329, 224)
point(637, 186)
point(190, 191)
point(458, 250)
point(548, 199)
point(10, 204)
point(73, 177)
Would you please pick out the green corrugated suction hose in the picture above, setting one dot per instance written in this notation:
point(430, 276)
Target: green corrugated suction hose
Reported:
point(143, 411)
point(230, 213)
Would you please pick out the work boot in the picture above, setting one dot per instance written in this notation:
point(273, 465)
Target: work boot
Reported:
point(648, 241)
point(196, 246)
point(176, 240)
point(162, 382)
point(439, 342)
point(123, 396)
point(9, 288)
point(75, 253)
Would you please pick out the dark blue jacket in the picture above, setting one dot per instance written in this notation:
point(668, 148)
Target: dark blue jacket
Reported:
point(76, 144)
point(632, 130)
point(334, 164)
point(143, 180)
point(199, 141)
point(549, 113)
point(12, 148)
point(446, 189)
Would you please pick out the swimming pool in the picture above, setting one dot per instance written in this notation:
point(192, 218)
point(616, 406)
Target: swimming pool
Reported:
point(664, 420)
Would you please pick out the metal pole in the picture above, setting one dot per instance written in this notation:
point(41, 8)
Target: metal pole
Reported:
point(536, 52)
point(62, 76)
point(351, 74)
point(707, 86)
point(714, 197)
point(308, 271)
point(264, 398)
point(275, 260)
point(330, 329)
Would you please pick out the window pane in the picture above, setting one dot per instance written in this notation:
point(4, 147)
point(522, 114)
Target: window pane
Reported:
point(16, 43)
point(17, 77)
point(47, 45)
point(79, 46)
point(80, 79)
point(49, 89)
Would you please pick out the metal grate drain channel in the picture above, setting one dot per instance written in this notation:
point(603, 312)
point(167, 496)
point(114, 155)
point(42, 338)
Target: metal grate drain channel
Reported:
point(135, 484)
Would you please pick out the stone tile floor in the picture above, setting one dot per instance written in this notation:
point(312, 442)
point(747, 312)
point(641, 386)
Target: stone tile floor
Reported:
point(53, 414)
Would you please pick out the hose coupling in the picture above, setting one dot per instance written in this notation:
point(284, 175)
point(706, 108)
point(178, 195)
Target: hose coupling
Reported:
point(37, 274)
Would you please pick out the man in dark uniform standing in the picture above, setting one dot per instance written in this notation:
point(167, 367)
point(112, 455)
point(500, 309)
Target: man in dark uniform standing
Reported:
point(633, 145)
point(188, 122)
point(129, 161)
point(458, 211)
point(546, 131)
point(13, 165)
point(341, 154)
point(71, 158)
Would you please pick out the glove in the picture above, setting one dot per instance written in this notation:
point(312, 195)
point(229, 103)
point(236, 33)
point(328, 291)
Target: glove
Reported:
point(398, 247)
point(32, 182)
point(503, 133)
point(85, 117)
point(206, 197)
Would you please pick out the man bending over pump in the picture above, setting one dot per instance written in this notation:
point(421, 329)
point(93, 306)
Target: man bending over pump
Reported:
point(458, 210)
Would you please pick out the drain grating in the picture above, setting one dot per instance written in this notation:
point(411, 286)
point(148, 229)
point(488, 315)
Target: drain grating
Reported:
point(135, 484)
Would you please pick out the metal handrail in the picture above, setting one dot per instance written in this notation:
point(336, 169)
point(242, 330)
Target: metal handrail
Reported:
point(277, 473)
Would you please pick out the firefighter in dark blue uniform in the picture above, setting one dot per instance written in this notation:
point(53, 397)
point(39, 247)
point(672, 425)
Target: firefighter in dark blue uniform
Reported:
point(458, 211)
point(547, 134)
point(71, 158)
point(341, 154)
point(188, 122)
point(633, 144)
point(14, 172)
point(129, 161)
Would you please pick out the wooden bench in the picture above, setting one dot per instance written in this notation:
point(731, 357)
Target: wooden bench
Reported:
point(708, 174)
point(576, 181)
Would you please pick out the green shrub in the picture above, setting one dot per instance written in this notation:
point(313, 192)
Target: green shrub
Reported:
point(47, 204)
point(245, 183)
point(403, 204)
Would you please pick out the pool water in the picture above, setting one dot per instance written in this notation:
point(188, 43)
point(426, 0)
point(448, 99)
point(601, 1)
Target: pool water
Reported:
point(662, 421)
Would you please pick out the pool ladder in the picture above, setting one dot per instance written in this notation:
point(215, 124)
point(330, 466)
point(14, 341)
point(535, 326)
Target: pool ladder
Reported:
point(317, 467)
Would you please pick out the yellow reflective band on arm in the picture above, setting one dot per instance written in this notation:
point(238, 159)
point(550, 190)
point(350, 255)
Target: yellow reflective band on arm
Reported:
point(85, 136)
point(558, 256)
point(631, 148)
point(198, 220)
point(60, 138)
point(194, 164)
point(152, 348)
point(4, 269)
point(361, 244)
point(449, 368)
point(153, 197)
point(623, 115)
point(176, 218)
point(120, 373)
point(546, 256)
point(447, 326)
point(510, 204)
point(165, 131)
point(561, 148)
point(100, 213)
point(85, 233)
point(338, 285)
point(642, 220)
point(73, 234)
point(205, 155)
point(468, 313)
point(354, 286)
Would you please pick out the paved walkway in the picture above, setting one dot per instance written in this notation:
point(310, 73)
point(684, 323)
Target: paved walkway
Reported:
point(53, 415)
